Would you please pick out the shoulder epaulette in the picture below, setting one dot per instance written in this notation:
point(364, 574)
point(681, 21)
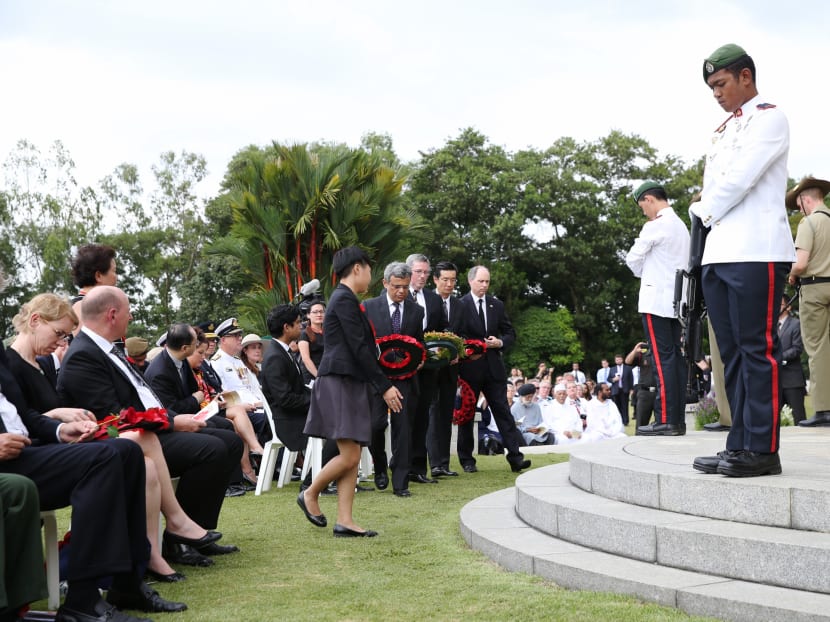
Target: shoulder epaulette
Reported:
point(765, 106)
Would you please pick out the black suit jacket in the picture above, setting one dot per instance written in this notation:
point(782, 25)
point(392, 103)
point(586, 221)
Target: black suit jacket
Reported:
point(165, 380)
point(498, 325)
point(434, 311)
point(287, 395)
point(350, 342)
point(412, 324)
point(41, 428)
point(47, 364)
point(627, 379)
point(89, 379)
point(792, 375)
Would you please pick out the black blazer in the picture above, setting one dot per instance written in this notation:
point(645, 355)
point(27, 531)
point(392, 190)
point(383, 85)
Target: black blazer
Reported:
point(456, 324)
point(377, 309)
point(350, 342)
point(434, 311)
point(89, 379)
point(498, 325)
point(287, 395)
point(165, 380)
point(47, 364)
point(41, 428)
point(792, 375)
point(626, 379)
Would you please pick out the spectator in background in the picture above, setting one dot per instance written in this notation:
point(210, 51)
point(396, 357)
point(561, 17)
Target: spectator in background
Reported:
point(792, 375)
point(603, 372)
point(251, 353)
point(528, 418)
point(622, 383)
point(578, 374)
point(93, 265)
point(645, 390)
point(137, 348)
point(310, 343)
point(564, 417)
point(604, 421)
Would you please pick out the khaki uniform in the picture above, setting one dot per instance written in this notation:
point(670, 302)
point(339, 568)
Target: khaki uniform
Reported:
point(813, 236)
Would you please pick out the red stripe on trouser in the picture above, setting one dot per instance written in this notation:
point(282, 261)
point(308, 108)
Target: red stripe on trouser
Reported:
point(771, 321)
point(663, 406)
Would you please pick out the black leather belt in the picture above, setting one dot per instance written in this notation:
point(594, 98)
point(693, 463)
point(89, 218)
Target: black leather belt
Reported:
point(811, 280)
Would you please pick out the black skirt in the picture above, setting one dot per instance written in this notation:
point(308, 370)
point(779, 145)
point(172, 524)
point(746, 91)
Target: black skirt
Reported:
point(340, 409)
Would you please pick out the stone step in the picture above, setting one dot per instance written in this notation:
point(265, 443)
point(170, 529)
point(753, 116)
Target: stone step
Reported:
point(490, 525)
point(546, 500)
point(657, 472)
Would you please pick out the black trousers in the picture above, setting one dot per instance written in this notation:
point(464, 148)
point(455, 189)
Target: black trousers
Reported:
point(743, 301)
point(794, 396)
point(440, 417)
point(204, 462)
point(644, 405)
point(420, 419)
point(104, 483)
point(401, 436)
point(669, 368)
point(477, 374)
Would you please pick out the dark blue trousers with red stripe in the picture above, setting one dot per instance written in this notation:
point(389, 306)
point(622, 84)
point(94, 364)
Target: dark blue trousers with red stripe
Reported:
point(669, 368)
point(742, 300)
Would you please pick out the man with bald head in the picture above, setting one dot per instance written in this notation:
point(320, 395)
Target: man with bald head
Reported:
point(96, 375)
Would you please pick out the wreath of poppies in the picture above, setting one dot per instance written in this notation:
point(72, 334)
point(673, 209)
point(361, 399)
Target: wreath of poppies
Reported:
point(474, 349)
point(131, 419)
point(466, 410)
point(442, 348)
point(400, 356)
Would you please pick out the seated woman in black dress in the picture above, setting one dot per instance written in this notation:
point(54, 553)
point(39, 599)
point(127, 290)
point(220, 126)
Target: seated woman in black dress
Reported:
point(42, 324)
point(348, 375)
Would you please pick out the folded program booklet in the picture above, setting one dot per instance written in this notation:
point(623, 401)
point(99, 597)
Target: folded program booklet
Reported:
point(223, 400)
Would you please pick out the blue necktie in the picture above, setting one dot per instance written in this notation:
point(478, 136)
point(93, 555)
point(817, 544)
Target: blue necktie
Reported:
point(396, 318)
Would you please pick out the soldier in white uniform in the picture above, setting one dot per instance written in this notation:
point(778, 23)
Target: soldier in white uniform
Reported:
point(748, 253)
point(233, 373)
point(661, 249)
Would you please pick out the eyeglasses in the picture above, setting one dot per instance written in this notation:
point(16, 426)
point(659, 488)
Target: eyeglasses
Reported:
point(62, 335)
point(427, 272)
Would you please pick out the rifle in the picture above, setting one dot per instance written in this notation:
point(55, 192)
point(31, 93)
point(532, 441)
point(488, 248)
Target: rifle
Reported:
point(690, 308)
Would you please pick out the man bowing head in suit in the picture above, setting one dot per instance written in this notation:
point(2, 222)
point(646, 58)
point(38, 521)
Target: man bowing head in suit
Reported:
point(395, 313)
point(483, 317)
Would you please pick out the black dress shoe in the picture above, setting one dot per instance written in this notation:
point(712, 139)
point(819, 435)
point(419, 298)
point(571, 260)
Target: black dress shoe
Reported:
point(421, 479)
point(184, 554)
point(318, 520)
point(403, 493)
point(519, 466)
point(822, 417)
point(344, 532)
point(709, 464)
point(443, 472)
point(330, 490)
point(173, 577)
point(234, 490)
point(716, 426)
point(750, 464)
point(360, 488)
point(144, 599)
point(214, 548)
point(470, 468)
point(662, 429)
point(381, 480)
point(196, 543)
point(103, 612)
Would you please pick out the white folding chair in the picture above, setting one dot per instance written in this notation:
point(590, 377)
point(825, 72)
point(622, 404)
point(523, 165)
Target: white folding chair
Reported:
point(313, 457)
point(269, 456)
point(50, 537)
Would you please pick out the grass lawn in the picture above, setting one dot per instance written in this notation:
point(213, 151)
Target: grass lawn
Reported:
point(419, 568)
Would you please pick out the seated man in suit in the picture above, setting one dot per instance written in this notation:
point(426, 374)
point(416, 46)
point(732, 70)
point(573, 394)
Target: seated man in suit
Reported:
point(282, 380)
point(394, 312)
point(171, 378)
point(96, 375)
point(104, 484)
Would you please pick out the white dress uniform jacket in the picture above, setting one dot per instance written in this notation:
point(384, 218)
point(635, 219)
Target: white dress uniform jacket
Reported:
point(236, 377)
point(658, 252)
point(744, 184)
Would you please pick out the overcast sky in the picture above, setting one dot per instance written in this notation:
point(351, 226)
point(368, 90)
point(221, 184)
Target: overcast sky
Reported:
point(124, 81)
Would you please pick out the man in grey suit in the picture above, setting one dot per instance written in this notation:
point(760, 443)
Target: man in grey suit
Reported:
point(394, 312)
point(792, 374)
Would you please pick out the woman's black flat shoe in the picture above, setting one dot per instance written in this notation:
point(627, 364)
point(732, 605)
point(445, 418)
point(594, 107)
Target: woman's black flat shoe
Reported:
point(173, 577)
point(344, 532)
point(318, 520)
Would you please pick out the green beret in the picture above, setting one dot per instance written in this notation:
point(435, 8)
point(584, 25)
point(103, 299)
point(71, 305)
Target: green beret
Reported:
point(645, 187)
point(722, 58)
